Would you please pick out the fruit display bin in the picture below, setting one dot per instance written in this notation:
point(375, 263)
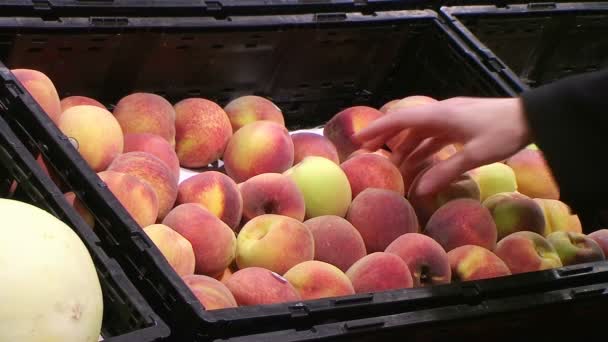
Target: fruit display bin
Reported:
point(311, 65)
point(540, 42)
point(533, 316)
point(126, 314)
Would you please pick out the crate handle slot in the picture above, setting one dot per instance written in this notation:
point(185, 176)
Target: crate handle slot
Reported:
point(574, 271)
point(328, 17)
point(366, 324)
point(356, 299)
point(581, 293)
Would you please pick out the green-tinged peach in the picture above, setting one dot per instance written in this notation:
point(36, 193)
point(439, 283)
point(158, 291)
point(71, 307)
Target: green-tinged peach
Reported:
point(323, 184)
point(575, 248)
point(274, 242)
point(494, 178)
point(513, 212)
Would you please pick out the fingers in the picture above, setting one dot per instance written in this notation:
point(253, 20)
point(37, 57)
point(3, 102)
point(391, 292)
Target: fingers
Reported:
point(398, 120)
point(427, 148)
point(407, 146)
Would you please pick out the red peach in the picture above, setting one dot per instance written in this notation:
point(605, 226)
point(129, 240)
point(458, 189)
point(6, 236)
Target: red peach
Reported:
point(247, 109)
point(146, 113)
point(380, 271)
point(42, 90)
point(202, 131)
point(174, 247)
point(310, 144)
point(337, 241)
point(470, 262)
point(210, 292)
point(216, 192)
point(372, 171)
point(316, 279)
point(258, 286)
point(155, 145)
point(271, 193)
point(73, 101)
point(381, 216)
point(213, 242)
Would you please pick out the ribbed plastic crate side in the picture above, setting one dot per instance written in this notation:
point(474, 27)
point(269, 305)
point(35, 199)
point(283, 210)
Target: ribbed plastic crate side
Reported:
point(575, 312)
point(541, 42)
point(126, 314)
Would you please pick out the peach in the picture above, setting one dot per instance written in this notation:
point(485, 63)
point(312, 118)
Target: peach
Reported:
point(202, 131)
point(425, 258)
point(95, 133)
point(494, 178)
point(534, 177)
point(136, 196)
point(337, 241)
point(323, 184)
point(411, 170)
point(558, 217)
point(462, 222)
point(42, 89)
point(213, 242)
point(155, 145)
point(601, 237)
point(389, 105)
point(259, 147)
point(463, 187)
point(152, 171)
point(250, 108)
point(381, 152)
point(258, 286)
point(274, 242)
point(316, 279)
point(342, 126)
point(73, 101)
point(381, 216)
point(575, 248)
point(372, 171)
point(311, 144)
point(271, 193)
point(223, 278)
point(408, 102)
point(175, 248)
point(146, 113)
point(380, 271)
point(216, 192)
point(527, 251)
point(80, 208)
point(470, 262)
point(513, 212)
point(210, 292)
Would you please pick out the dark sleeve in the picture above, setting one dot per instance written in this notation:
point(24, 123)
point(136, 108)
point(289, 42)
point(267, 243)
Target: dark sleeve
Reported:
point(568, 120)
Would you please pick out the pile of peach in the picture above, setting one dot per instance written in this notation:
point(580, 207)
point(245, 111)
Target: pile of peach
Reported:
point(303, 216)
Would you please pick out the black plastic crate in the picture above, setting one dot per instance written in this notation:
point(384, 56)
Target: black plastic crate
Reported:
point(540, 42)
point(126, 316)
point(576, 313)
point(311, 65)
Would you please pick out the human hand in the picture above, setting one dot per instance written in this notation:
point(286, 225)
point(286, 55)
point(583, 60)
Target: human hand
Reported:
point(489, 130)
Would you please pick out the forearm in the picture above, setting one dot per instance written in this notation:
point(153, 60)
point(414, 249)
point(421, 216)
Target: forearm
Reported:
point(568, 120)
